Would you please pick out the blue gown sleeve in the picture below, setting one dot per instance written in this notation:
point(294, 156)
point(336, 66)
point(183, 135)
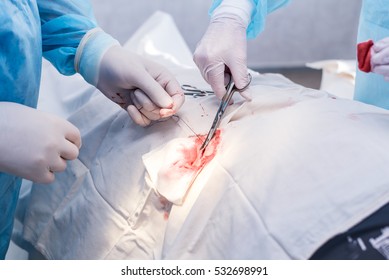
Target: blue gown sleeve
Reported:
point(258, 16)
point(64, 24)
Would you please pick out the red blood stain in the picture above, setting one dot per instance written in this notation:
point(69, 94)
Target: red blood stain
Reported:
point(192, 159)
point(186, 162)
point(166, 206)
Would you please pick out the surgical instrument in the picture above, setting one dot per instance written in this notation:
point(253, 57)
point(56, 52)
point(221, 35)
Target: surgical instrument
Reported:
point(230, 88)
point(195, 92)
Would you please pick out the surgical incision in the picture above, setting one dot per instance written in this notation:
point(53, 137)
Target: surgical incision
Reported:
point(194, 158)
point(188, 159)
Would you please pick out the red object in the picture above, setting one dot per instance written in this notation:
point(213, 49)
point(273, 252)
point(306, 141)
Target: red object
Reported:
point(364, 55)
point(193, 159)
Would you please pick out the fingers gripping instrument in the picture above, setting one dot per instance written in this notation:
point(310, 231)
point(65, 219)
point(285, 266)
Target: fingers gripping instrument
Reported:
point(231, 89)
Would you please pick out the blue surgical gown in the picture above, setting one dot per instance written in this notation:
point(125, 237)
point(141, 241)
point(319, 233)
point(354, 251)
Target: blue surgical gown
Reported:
point(261, 9)
point(374, 24)
point(30, 29)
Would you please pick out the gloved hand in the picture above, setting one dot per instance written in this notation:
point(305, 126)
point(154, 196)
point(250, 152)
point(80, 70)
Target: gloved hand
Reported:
point(35, 144)
point(144, 88)
point(380, 58)
point(223, 50)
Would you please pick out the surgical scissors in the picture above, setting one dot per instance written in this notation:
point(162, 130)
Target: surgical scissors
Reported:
point(195, 92)
point(230, 88)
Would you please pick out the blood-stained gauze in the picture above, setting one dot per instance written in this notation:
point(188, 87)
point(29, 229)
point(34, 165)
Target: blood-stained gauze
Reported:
point(172, 168)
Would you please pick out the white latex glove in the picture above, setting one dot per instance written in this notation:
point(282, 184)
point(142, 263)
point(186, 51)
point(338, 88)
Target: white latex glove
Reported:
point(144, 88)
point(380, 58)
point(223, 50)
point(34, 144)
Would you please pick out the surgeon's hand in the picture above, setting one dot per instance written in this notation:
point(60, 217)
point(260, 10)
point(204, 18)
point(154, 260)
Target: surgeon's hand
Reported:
point(380, 58)
point(223, 50)
point(33, 144)
point(144, 88)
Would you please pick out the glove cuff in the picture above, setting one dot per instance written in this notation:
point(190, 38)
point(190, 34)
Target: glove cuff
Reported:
point(241, 8)
point(90, 52)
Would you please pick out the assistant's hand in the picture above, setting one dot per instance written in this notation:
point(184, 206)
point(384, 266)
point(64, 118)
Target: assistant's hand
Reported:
point(144, 88)
point(33, 144)
point(380, 58)
point(223, 49)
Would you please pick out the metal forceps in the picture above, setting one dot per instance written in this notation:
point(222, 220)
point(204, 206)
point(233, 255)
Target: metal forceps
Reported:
point(231, 88)
point(195, 92)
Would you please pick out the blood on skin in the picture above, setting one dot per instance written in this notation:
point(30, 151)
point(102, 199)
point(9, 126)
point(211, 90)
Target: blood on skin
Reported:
point(191, 158)
point(194, 158)
point(166, 206)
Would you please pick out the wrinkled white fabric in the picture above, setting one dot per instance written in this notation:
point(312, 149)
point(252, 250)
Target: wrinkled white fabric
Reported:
point(312, 167)
point(338, 76)
point(170, 182)
point(295, 167)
